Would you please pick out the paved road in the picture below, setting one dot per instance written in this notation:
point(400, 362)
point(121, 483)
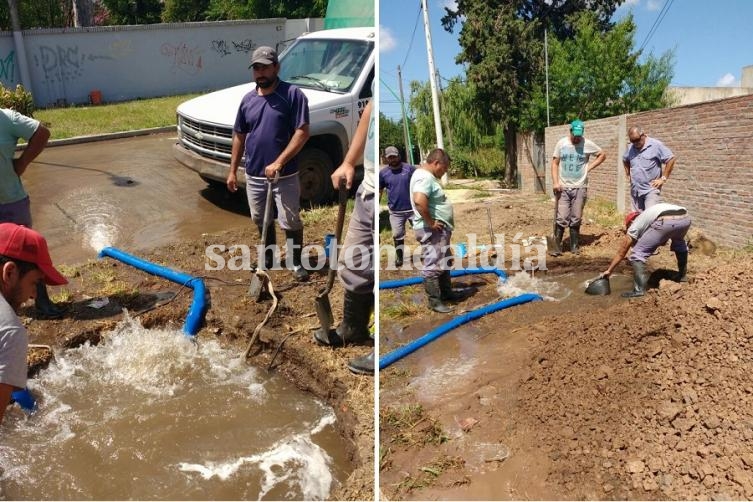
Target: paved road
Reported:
point(129, 193)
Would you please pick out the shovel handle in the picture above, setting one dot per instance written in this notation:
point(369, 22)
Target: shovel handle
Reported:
point(342, 199)
point(267, 211)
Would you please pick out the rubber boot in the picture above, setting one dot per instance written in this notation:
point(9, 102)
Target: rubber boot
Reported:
point(639, 280)
point(574, 239)
point(354, 327)
point(682, 266)
point(363, 365)
point(269, 246)
point(45, 307)
point(445, 287)
point(434, 294)
point(559, 233)
point(296, 236)
point(399, 246)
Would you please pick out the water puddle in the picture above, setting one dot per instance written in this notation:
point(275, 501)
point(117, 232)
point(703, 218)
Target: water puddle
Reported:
point(149, 414)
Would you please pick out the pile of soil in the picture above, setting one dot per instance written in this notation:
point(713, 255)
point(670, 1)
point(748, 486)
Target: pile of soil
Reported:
point(597, 398)
point(285, 343)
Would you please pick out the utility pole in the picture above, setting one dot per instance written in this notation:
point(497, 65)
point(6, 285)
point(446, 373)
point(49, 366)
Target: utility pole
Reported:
point(447, 126)
point(406, 135)
point(433, 83)
point(546, 67)
point(18, 41)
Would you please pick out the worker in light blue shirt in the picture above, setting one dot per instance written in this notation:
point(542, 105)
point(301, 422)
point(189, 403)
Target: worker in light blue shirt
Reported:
point(648, 163)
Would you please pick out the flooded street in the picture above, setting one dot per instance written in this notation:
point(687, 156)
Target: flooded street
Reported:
point(129, 193)
point(149, 414)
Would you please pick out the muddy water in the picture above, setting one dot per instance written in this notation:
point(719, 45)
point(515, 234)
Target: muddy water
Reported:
point(150, 415)
point(561, 293)
point(472, 372)
point(129, 193)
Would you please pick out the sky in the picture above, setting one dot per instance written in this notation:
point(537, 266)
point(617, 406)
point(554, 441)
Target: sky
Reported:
point(712, 41)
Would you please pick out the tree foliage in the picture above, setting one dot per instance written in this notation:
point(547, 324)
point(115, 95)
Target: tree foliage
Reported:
point(390, 133)
point(67, 13)
point(595, 74)
point(37, 14)
point(502, 44)
point(262, 9)
point(134, 11)
point(176, 11)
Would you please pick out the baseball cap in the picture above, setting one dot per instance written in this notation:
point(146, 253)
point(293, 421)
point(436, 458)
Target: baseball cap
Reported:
point(263, 55)
point(630, 217)
point(391, 151)
point(22, 243)
point(577, 127)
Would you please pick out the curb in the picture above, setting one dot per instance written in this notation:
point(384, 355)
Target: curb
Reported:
point(104, 137)
point(114, 135)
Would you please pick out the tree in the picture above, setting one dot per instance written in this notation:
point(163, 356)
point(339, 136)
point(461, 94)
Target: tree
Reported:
point(261, 9)
point(595, 74)
point(390, 133)
point(82, 12)
point(183, 11)
point(134, 11)
point(502, 43)
point(35, 14)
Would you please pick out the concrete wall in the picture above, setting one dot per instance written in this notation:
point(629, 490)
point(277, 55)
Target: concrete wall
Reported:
point(681, 96)
point(713, 175)
point(128, 62)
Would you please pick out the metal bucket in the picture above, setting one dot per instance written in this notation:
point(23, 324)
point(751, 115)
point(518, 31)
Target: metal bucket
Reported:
point(599, 286)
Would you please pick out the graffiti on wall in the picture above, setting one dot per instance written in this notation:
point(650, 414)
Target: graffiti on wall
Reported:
point(8, 70)
point(222, 47)
point(244, 45)
point(183, 58)
point(60, 64)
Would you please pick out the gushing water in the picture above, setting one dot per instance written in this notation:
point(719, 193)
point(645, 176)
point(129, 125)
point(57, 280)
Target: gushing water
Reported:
point(96, 218)
point(149, 414)
point(526, 282)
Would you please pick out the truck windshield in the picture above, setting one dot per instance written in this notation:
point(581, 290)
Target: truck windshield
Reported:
point(329, 65)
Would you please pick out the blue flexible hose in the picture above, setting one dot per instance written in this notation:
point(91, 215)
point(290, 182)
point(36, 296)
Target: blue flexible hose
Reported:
point(410, 281)
point(199, 305)
point(399, 353)
point(432, 335)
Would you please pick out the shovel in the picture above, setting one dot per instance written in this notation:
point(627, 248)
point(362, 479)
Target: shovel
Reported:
point(323, 307)
point(551, 240)
point(260, 280)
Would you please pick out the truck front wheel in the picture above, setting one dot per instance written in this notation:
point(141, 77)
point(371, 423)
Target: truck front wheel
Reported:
point(314, 171)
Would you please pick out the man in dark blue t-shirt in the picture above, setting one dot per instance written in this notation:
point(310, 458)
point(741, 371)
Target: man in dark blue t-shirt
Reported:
point(395, 178)
point(272, 126)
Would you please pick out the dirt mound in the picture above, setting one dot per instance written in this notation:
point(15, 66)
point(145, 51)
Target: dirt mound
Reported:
point(655, 398)
point(598, 398)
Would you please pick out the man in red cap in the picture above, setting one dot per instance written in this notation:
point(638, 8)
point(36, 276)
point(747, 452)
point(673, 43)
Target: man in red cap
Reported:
point(24, 263)
point(645, 232)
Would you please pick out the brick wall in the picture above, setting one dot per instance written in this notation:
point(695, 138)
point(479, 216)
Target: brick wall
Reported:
point(713, 174)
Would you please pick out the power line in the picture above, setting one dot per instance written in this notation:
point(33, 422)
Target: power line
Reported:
point(657, 22)
point(415, 25)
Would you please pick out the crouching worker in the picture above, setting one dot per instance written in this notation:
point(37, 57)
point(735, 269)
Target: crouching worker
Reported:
point(645, 232)
point(24, 263)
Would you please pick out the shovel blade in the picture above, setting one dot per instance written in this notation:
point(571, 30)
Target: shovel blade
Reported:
point(257, 287)
point(324, 311)
point(552, 247)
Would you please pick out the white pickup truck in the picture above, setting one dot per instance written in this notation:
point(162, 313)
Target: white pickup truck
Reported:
point(334, 68)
